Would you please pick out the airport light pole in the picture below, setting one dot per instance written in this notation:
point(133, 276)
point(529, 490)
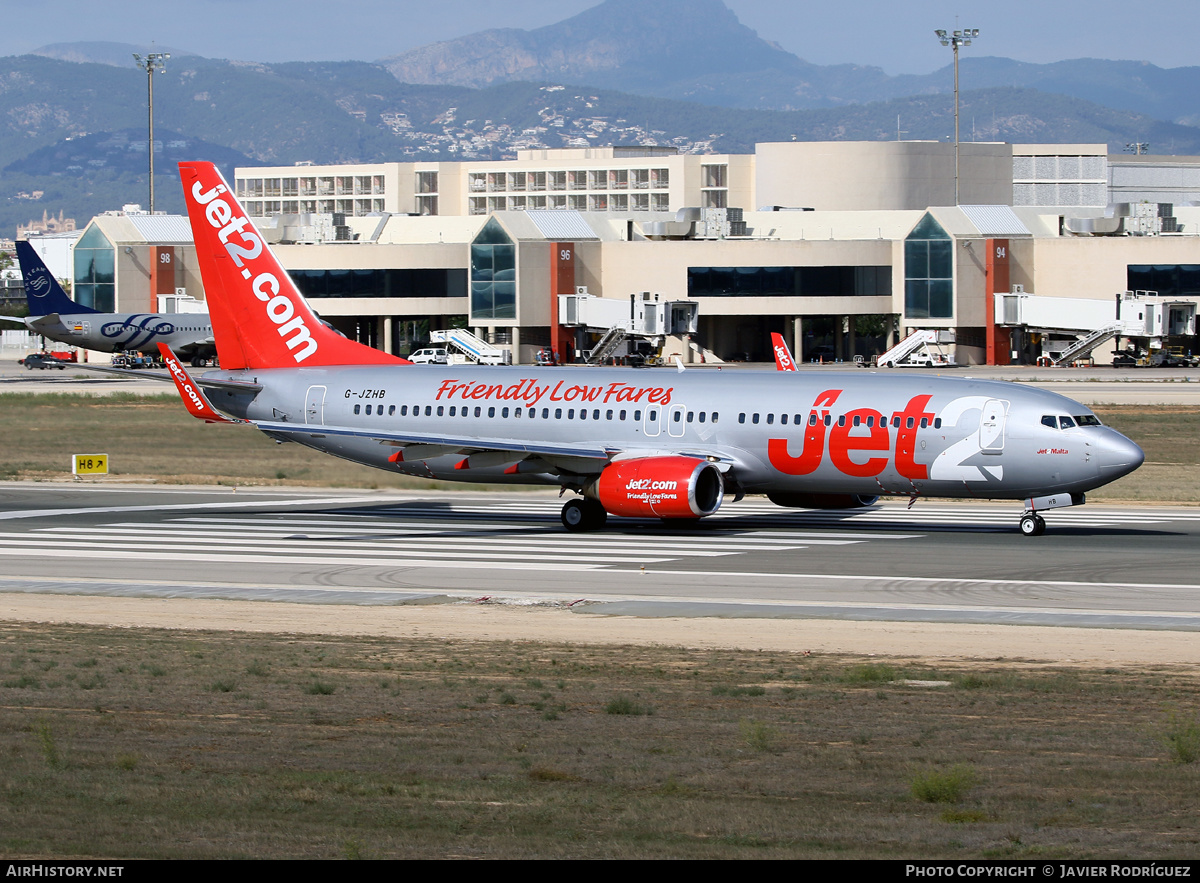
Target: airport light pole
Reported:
point(956, 38)
point(154, 61)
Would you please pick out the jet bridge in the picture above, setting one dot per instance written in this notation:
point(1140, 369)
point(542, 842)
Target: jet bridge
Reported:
point(1073, 328)
point(621, 323)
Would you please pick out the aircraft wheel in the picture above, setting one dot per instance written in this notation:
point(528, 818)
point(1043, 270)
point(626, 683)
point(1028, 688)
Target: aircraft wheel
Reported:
point(597, 516)
point(583, 515)
point(1033, 525)
point(575, 516)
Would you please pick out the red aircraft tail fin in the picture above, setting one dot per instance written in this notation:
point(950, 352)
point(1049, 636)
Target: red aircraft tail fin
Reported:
point(783, 356)
point(259, 317)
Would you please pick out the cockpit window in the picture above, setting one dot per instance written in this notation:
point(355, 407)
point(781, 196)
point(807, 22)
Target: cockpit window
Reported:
point(1065, 422)
point(1087, 420)
point(1050, 420)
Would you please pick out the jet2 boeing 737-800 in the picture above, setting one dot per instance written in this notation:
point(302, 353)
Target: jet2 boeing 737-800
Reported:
point(54, 315)
point(644, 443)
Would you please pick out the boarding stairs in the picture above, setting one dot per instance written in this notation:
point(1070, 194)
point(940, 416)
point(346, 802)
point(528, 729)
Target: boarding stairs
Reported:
point(474, 348)
point(1083, 347)
point(915, 350)
point(607, 345)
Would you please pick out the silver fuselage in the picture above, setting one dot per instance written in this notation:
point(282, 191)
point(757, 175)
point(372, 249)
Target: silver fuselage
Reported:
point(861, 433)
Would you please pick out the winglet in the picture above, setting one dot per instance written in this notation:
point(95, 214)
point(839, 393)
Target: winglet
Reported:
point(193, 397)
point(783, 355)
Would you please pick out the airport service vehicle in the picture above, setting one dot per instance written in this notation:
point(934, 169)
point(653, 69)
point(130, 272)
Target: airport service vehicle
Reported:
point(667, 444)
point(430, 355)
point(54, 315)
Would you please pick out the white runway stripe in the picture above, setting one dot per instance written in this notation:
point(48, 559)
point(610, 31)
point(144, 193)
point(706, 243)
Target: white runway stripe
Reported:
point(689, 545)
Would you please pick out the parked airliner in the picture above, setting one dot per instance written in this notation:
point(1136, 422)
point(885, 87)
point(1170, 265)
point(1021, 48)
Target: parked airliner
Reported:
point(54, 315)
point(665, 444)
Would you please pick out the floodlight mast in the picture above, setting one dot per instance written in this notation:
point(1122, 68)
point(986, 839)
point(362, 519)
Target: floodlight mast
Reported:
point(154, 61)
point(956, 38)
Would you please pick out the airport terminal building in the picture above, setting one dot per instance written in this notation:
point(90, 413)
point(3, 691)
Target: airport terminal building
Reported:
point(843, 247)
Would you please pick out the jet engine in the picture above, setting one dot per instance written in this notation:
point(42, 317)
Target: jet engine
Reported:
point(821, 501)
point(659, 487)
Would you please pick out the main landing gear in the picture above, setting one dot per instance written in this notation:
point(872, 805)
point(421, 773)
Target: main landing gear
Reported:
point(582, 514)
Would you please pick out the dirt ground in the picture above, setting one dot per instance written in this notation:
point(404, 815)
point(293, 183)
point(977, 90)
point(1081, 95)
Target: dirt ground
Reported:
point(943, 643)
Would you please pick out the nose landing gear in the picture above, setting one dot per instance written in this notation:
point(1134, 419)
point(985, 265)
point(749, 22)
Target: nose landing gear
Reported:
point(1032, 525)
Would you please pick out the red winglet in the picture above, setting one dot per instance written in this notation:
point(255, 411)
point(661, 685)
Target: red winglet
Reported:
point(397, 457)
point(462, 464)
point(193, 397)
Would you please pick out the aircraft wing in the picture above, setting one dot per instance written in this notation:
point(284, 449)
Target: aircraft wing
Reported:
point(161, 377)
point(423, 445)
point(452, 443)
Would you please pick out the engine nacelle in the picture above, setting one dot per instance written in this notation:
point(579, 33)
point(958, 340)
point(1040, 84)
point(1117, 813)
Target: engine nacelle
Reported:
point(659, 487)
point(821, 501)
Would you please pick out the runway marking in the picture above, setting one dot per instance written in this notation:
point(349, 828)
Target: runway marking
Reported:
point(524, 535)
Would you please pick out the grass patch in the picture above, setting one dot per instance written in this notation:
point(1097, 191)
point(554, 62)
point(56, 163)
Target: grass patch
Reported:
point(1041, 762)
point(726, 690)
point(625, 705)
point(759, 736)
point(875, 673)
point(1182, 738)
point(943, 786)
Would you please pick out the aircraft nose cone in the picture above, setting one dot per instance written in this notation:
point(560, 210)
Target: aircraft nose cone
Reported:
point(1118, 456)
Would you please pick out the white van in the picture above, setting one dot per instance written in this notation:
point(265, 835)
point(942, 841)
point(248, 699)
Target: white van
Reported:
point(430, 355)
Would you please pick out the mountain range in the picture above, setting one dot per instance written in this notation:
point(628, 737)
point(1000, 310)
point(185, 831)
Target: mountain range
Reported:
point(680, 72)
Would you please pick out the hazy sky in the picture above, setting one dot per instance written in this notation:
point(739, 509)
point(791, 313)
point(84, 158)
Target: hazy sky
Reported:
point(897, 36)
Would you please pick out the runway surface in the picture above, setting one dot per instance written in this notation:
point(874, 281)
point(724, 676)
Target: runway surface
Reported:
point(1122, 567)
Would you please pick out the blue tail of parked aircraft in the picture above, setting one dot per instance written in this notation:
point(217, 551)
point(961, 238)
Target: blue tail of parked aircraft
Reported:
point(42, 291)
